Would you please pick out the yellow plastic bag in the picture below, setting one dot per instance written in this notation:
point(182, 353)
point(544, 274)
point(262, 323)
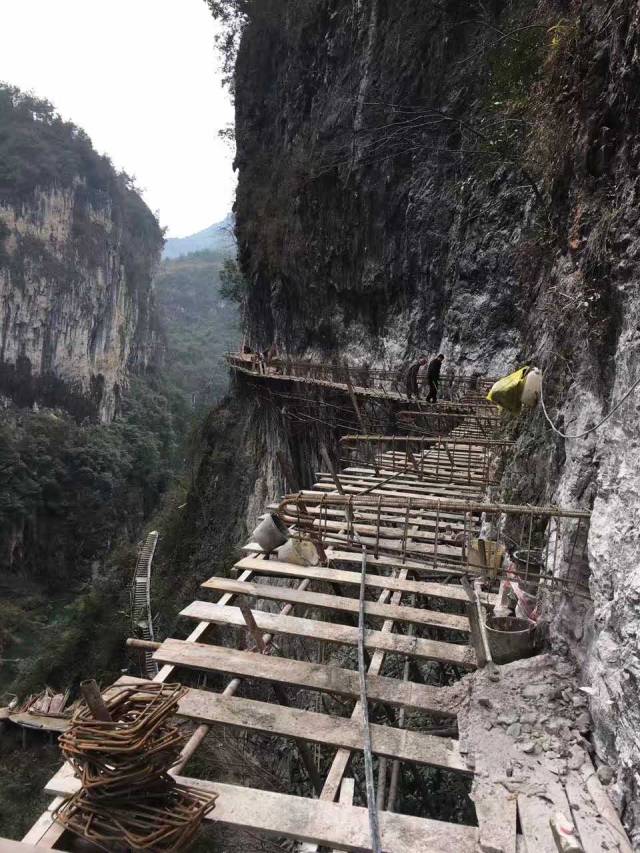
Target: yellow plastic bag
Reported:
point(507, 392)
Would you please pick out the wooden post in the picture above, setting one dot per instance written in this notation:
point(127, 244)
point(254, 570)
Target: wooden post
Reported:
point(149, 645)
point(92, 696)
point(479, 637)
point(315, 538)
point(324, 453)
point(382, 783)
point(359, 417)
point(251, 625)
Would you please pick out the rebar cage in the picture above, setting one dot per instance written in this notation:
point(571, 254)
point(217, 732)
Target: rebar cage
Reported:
point(536, 546)
point(470, 462)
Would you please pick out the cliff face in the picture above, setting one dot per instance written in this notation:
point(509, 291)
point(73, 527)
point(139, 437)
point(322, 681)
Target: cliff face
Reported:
point(440, 176)
point(77, 251)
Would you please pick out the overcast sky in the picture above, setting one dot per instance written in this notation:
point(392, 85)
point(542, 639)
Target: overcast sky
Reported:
point(142, 78)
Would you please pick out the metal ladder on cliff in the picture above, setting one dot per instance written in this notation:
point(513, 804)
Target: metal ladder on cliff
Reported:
point(141, 618)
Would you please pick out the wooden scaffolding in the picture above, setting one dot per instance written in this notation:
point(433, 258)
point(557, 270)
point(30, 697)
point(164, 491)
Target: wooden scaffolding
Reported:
point(421, 512)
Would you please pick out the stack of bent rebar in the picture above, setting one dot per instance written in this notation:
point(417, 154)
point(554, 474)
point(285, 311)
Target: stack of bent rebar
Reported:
point(127, 796)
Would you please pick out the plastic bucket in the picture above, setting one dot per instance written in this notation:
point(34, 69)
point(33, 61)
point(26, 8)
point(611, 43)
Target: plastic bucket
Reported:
point(271, 533)
point(510, 638)
point(299, 552)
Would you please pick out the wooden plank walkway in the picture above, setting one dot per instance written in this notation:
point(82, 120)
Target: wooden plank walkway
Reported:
point(400, 613)
point(329, 730)
point(442, 592)
point(312, 676)
point(415, 541)
point(330, 632)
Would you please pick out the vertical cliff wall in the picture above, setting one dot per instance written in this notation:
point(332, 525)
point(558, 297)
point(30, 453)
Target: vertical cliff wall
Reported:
point(426, 176)
point(78, 248)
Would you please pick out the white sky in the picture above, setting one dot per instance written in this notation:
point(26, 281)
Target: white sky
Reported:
point(142, 78)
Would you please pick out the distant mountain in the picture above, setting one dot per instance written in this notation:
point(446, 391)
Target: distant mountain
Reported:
point(201, 325)
point(215, 238)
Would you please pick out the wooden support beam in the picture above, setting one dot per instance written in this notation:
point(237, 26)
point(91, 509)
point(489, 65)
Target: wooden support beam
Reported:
point(400, 613)
point(347, 791)
point(309, 676)
point(250, 622)
point(92, 696)
point(326, 458)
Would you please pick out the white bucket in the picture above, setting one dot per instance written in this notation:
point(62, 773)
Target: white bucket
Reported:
point(270, 533)
point(532, 388)
point(299, 552)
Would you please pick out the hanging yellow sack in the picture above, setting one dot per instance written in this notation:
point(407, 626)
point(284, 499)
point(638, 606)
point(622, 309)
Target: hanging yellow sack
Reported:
point(507, 392)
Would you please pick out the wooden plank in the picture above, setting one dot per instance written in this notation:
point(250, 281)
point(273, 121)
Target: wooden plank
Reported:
point(317, 822)
point(391, 534)
point(443, 592)
point(315, 727)
point(310, 676)
point(322, 601)
point(9, 846)
point(398, 500)
point(434, 618)
point(347, 792)
point(40, 722)
point(496, 809)
point(355, 485)
point(45, 827)
point(457, 654)
point(598, 823)
point(422, 519)
point(198, 633)
point(354, 473)
point(535, 811)
point(425, 566)
point(456, 478)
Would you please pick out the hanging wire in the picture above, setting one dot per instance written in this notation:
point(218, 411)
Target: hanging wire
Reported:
point(593, 428)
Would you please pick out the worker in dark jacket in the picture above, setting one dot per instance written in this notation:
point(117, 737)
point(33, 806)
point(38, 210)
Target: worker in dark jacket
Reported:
point(412, 378)
point(433, 378)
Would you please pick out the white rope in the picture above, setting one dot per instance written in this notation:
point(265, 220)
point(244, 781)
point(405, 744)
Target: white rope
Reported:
point(594, 428)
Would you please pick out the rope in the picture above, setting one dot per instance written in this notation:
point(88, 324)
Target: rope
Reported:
point(372, 807)
point(593, 428)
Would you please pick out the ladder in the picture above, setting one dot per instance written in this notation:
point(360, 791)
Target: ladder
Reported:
point(141, 618)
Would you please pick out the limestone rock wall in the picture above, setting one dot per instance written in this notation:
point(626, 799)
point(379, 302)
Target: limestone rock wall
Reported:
point(74, 317)
point(387, 205)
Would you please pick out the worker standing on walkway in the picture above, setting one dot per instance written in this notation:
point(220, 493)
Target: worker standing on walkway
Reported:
point(433, 377)
point(412, 378)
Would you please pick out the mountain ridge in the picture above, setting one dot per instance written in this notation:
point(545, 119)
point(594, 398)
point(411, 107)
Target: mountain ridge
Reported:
point(216, 237)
